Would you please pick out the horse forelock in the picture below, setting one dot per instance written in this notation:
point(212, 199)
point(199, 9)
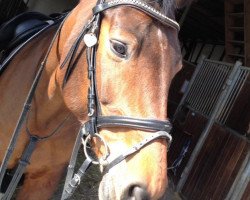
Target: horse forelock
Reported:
point(167, 7)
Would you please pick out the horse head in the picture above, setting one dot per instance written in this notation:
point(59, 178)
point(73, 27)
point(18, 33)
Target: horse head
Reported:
point(136, 58)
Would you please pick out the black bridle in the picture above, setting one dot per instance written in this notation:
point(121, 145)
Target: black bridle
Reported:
point(96, 119)
point(159, 128)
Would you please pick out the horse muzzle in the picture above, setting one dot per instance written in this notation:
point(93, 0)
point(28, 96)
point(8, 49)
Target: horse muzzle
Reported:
point(110, 189)
point(135, 192)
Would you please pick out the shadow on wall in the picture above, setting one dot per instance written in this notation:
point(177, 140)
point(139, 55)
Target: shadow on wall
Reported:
point(49, 7)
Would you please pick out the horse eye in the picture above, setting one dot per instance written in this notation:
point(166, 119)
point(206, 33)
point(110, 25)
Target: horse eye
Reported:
point(119, 48)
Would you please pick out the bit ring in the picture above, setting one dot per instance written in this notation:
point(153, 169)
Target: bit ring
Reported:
point(103, 159)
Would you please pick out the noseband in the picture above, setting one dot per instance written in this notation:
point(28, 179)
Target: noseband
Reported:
point(159, 128)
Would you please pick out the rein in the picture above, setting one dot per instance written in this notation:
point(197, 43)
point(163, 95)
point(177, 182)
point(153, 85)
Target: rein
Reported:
point(33, 139)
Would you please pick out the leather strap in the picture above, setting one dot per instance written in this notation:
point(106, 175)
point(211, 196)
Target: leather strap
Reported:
point(72, 162)
point(76, 180)
point(137, 147)
point(23, 162)
point(142, 6)
point(134, 123)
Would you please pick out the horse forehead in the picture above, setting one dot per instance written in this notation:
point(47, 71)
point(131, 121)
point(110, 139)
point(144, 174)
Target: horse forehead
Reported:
point(130, 19)
point(138, 24)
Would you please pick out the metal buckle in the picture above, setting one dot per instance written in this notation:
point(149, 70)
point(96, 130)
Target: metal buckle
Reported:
point(103, 160)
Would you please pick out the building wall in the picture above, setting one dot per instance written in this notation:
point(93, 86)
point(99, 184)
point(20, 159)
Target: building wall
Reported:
point(51, 6)
point(196, 49)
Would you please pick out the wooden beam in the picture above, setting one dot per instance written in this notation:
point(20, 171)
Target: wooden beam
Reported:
point(247, 32)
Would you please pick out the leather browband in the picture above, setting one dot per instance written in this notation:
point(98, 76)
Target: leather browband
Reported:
point(135, 123)
point(140, 6)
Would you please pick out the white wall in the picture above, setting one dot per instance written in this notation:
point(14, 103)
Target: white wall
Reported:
point(51, 6)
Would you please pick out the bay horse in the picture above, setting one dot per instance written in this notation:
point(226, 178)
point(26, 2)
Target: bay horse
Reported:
point(137, 56)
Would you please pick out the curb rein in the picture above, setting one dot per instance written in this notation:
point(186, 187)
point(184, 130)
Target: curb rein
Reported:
point(89, 130)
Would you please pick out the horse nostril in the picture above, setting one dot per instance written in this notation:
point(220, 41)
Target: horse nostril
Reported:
point(136, 192)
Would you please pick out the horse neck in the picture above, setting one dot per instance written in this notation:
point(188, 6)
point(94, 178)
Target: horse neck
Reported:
point(48, 101)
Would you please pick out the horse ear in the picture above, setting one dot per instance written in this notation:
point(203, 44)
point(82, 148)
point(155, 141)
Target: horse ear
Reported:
point(183, 3)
